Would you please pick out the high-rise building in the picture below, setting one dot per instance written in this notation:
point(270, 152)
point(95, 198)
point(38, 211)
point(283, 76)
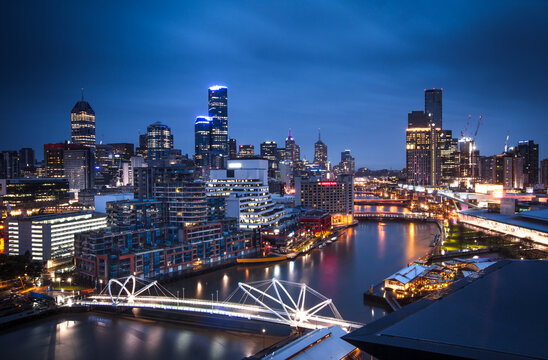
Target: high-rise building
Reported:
point(348, 163)
point(246, 151)
point(449, 156)
point(202, 142)
point(529, 151)
point(142, 148)
point(54, 158)
point(508, 170)
point(269, 151)
point(544, 172)
point(292, 150)
point(218, 110)
point(334, 197)
point(26, 158)
point(232, 149)
point(422, 150)
point(144, 178)
point(469, 158)
point(9, 165)
point(159, 141)
point(433, 106)
point(187, 205)
point(486, 164)
point(320, 153)
point(124, 151)
point(78, 168)
point(245, 186)
point(82, 123)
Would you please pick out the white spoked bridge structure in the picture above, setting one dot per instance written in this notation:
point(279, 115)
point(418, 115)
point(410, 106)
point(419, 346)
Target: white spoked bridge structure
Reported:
point(274, 301)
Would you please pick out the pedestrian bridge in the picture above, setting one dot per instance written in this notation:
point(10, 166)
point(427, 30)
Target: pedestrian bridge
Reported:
point(273, 301)
point(377, 215)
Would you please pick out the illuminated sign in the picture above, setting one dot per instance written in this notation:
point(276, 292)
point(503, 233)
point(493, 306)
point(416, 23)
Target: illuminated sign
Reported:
point(235, 165)
point(328, 183)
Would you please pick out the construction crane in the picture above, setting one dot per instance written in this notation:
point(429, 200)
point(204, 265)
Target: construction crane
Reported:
point(463, 133)
point(477, 127)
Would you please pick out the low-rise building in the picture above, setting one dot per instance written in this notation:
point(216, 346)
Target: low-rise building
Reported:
point(50, 237)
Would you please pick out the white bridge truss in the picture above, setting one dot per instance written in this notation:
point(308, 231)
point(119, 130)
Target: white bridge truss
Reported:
point(274, 301)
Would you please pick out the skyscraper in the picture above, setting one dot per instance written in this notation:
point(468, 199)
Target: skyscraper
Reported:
point(269, 151)
point(292, 150)
point(529, 151)
point(159, 141)
point(232, 149)
point(218, 110)
point(348, 163)
point(432, 106)
point(422, 150)
point(202, 138)
point(82, 124)
point(78, 168)
point(9, 165)
point(320, 153)
point(449, 156)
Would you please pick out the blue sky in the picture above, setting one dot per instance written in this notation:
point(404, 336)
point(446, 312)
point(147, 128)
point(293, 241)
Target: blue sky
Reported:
point(352, 68)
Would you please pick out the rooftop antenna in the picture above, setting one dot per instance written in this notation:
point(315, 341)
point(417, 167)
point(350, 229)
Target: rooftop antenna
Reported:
point(82, 94)
point(319, 135)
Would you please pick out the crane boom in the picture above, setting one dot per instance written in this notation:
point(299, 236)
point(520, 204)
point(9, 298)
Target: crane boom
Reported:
point(463, 133)
point(477, 127)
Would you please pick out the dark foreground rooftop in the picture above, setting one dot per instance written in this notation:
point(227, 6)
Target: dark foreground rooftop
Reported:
point(499, 314)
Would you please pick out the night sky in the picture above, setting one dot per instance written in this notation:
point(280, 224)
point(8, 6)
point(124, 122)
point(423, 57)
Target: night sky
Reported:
point(352, 68)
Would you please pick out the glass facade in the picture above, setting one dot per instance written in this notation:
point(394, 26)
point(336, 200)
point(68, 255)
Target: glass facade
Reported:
point(218, 111)
point(202, 140)
point(82, 123)
point(159, 141)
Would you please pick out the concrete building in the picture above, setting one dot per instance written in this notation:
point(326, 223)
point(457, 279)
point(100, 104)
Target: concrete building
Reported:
point(422, 150)
point(334, 197)
point(50, 237)
point(33, 193)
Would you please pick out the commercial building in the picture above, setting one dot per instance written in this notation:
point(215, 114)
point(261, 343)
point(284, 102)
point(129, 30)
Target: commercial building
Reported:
point(232, 149)
point(449, 157)
point(347, 164)
point(528, 150)
point(246, 151)
point(530, 225)
point(292, 151)
point(50, 237)
point(468, 158)
point(27, 159)
point(218, 111)
point(202, 143)
point(508, 171)
point(433, 106)
point(422, 150)
point(33, 193)
point(334, 197)
point(9, 165)
point(82, 124)
point(78, 168)
point(244, 185)
point(544, 172)
point(320, 153)
point(159, 141)
point(269, 151)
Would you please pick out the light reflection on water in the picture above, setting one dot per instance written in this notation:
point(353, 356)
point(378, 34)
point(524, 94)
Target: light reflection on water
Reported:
point(342, 271)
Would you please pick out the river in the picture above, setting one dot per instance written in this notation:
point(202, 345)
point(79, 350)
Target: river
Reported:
point(342, 271)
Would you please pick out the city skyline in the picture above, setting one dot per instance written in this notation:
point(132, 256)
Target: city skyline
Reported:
point(304, 83)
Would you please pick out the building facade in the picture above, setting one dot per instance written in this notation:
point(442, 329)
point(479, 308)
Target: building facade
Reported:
point(320, 153)
point(218, 111)
point(433, 106)
point(50, 237)
point(82, 124)
point(202, 143)
point(159, 141)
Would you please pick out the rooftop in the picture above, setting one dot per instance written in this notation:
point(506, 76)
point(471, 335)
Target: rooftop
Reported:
point(497, 313)
point(534, 219)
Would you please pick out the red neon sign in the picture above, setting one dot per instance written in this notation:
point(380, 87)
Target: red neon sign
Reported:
point(328, 183)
